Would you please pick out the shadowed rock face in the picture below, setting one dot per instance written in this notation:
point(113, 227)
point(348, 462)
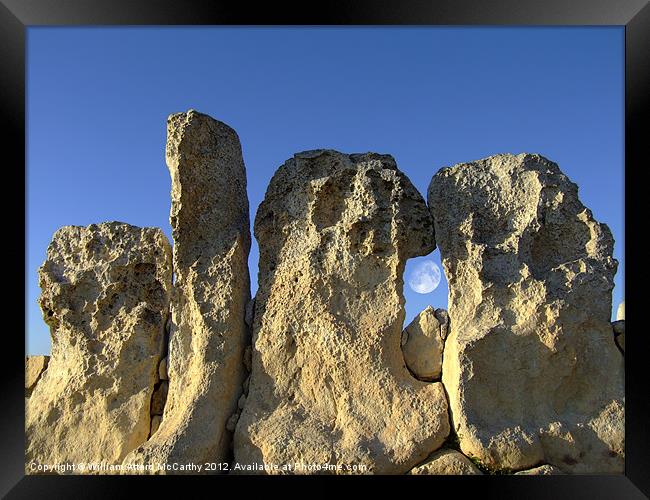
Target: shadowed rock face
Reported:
point(328, 382)
point(530, 365)
point(619, 334)
point(210, 223)
point(105, 295)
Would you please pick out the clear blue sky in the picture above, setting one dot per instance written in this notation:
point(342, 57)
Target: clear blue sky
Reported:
point(98, 99)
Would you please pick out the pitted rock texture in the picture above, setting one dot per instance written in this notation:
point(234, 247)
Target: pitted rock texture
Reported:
point(329, 383)
point(105, 295)
point(529, 365)
point(423, 342)
point(210, 224)
point(446, 462)
point(34, 368)
point(542, 470)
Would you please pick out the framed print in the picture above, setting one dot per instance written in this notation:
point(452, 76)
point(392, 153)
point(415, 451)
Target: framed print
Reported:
point(384, 241)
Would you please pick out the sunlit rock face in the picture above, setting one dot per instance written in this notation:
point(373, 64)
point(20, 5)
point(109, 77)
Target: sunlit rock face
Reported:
point(105, 296)
point(210, 228)
point(423, 342)
point(329, 383)
point(446, 462)
point(34, 368)
point(530, 365)
point(542, 470)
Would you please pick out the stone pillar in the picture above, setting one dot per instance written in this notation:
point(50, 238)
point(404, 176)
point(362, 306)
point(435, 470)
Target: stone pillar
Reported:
point(105, 296)
point(210, 223)
point(530, 365)
point(329, 384)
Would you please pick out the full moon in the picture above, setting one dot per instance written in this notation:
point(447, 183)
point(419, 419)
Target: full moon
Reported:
point(425, 277)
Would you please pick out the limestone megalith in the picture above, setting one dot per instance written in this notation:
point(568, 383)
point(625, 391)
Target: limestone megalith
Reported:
point(105, 296)
point(530, 364)
point(210, 229)
point(329, 384)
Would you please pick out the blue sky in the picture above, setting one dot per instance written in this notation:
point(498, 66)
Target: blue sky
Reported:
point(98, 99)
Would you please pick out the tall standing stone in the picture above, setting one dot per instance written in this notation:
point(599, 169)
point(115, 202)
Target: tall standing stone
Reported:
point(210, 223)
point(329, 384)
point(530, 365)
point(105, 296)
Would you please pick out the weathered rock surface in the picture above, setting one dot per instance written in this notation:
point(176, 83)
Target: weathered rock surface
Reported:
point(159, 398)
point(105, 296)
point(618, 327)
point(619, 333)
point(529, 364)
point(620, 342)
point(446, 462)
point(329, 383)
point(250, 310)
point(423, 342)
point(210, 223)
point(162, 369)
point(34, 367)
point(542, 470)
point(155, 423)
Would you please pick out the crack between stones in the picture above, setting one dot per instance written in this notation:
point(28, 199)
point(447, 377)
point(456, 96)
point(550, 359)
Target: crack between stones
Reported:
point(164, 356)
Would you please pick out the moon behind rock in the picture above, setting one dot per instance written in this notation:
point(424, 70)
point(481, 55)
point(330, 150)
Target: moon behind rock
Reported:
point(425, 277)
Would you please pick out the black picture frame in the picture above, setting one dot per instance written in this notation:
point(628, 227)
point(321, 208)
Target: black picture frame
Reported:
point(17, 15)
